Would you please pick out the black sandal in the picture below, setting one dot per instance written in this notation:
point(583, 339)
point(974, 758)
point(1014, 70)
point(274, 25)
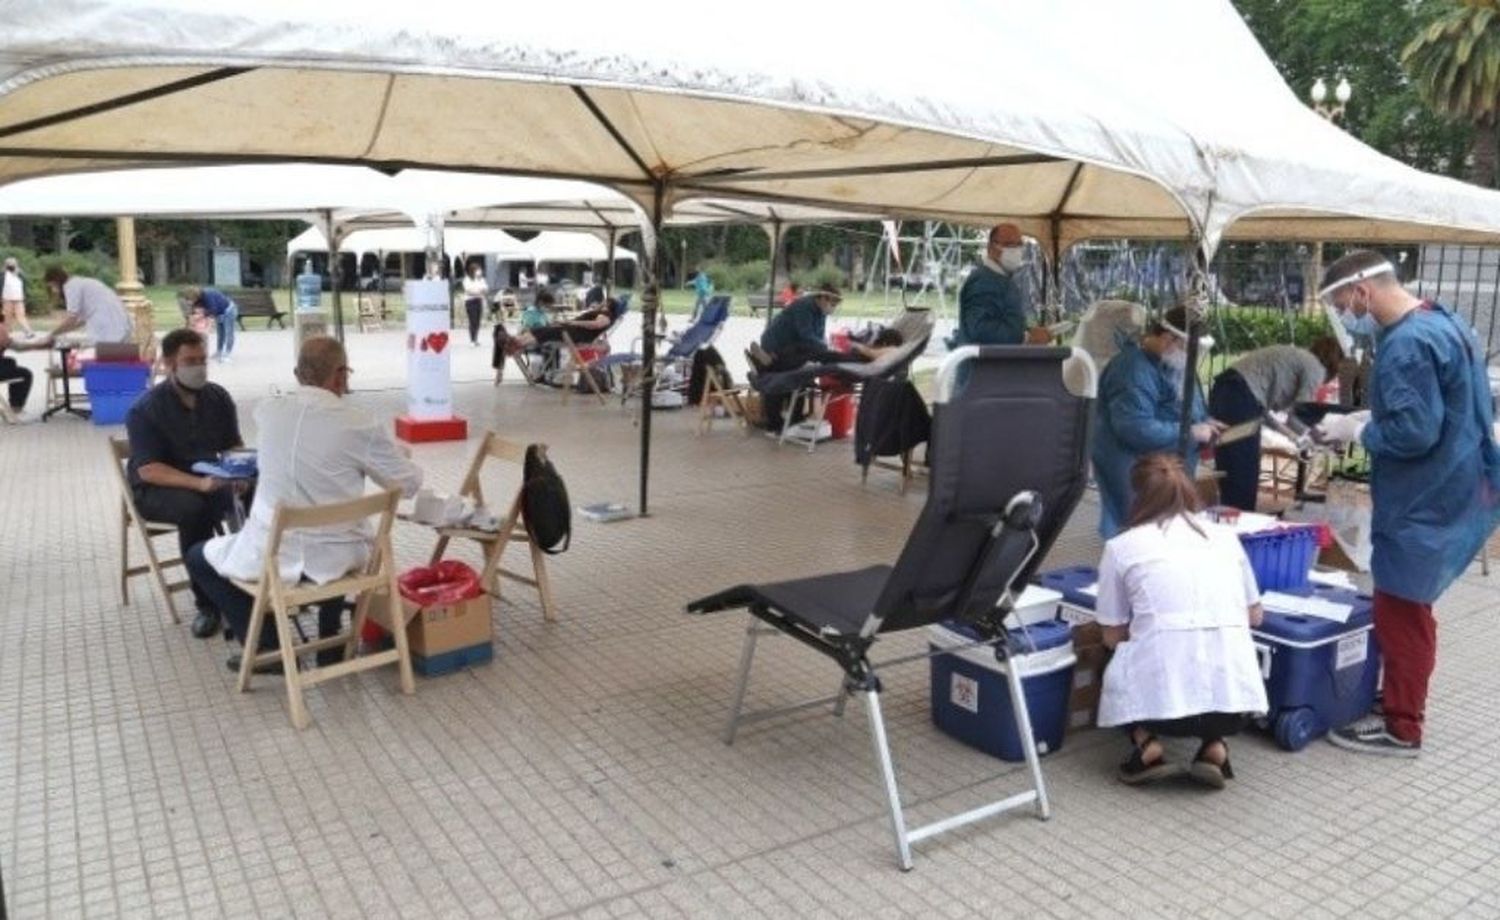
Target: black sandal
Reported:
point(1210, 774)
point(1135, 771)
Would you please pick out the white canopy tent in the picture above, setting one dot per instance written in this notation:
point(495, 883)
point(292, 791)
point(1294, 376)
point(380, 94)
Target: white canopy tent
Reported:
point(1194, 132)
point(458, 240)
point(1161, 118)
point(562, 246)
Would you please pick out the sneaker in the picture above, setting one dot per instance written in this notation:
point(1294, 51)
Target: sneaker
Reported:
point(1370, 737)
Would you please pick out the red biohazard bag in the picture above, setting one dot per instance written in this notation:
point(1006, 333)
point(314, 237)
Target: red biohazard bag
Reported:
point(448, 582)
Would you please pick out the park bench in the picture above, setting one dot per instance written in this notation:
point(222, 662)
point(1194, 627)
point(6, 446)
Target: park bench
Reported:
point(257, 302)
point(758, 302)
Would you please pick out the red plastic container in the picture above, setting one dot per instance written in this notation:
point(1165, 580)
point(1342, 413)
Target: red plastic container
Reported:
point(840, 414)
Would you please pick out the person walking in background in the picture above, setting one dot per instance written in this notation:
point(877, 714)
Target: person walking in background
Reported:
point(1434, 480)
point(218, 307)
point(703, 288)
point(476, 290)
point(13, 298)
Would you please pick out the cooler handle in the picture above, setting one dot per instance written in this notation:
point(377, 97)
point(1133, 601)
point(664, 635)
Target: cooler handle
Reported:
point(1263, 654)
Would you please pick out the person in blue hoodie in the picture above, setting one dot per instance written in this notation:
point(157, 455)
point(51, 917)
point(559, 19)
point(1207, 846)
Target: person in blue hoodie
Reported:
point(1434, 480)
point(1139, 410)
point(991, 307)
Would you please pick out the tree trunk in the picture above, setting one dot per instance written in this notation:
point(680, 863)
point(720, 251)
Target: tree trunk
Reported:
point(1483, 154)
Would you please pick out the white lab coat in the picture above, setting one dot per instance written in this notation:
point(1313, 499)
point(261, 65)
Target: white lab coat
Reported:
point(314, 449)
point(1185, 597)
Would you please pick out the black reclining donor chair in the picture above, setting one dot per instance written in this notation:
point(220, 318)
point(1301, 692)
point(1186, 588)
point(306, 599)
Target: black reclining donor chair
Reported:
point(1009, 458)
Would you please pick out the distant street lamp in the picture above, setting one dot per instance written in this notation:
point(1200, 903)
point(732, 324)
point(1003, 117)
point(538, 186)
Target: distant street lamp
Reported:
point(1341, 93)
point(1333, 111)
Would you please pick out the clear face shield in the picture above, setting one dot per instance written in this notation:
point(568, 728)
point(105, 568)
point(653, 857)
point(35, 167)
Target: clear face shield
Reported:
point(1330, 295)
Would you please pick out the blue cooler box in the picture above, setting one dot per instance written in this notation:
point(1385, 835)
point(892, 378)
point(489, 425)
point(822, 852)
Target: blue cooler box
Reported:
point(113, 387)
point(1320, 675)
point(971, 696)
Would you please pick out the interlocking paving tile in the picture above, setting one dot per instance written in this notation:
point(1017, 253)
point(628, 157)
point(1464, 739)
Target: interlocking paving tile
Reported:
point(582, 772)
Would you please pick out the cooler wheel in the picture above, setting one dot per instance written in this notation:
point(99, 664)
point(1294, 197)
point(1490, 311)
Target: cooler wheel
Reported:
point(1294, 728)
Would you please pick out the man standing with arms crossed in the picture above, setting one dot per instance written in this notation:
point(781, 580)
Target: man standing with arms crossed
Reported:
point(1434, 480)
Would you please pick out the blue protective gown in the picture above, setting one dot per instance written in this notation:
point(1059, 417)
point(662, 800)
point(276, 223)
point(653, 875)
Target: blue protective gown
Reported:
point(1138, 412)
point(1434, 465)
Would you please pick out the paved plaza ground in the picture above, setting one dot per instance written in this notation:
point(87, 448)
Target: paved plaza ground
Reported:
point(582, 772)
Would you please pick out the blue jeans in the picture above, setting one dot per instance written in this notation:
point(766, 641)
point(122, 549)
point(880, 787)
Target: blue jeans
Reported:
point(224, 325)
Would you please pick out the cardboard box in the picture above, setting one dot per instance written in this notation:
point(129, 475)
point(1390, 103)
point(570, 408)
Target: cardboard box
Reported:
point(446, 627)
point(1088, 675)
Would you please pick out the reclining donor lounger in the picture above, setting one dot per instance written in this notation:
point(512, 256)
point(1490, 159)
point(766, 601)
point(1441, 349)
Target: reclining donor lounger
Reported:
point(1009, 457)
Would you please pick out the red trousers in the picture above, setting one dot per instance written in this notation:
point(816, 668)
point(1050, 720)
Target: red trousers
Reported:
point(1407, 634)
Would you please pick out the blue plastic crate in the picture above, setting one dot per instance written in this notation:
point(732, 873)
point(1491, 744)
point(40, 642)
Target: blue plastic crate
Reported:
point(971, 694)
point(113, 387)
point(1282, 558)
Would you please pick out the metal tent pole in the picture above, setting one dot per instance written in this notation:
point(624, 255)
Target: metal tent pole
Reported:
point(776, 237)
point(650, 304)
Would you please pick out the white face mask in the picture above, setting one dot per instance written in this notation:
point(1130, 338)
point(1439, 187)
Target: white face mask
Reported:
point(193, 377)
point(1012, 258)
point(1175, 358)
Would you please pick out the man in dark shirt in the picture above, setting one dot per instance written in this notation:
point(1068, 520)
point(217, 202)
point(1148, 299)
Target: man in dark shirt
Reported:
point(178, 422)
point(798, 333)
point(991, 308)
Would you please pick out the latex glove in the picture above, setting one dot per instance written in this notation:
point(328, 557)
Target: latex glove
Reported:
point(1343, 429)
point(1205, 432)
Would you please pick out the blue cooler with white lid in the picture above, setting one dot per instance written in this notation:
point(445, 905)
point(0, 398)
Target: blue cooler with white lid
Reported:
point(971, 694)
point(1320, 674)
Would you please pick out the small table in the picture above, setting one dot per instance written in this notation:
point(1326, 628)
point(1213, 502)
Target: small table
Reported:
point(63, 351)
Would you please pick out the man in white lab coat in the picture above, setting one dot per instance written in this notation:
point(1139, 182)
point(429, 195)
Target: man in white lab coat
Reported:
point(315, 449)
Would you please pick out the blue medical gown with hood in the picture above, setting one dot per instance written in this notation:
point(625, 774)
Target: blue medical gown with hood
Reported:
point(1138, 412)
point(1434, 464)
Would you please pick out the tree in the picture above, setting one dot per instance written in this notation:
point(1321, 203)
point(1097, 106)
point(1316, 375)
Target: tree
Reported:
point(1455, 63)
point(1363, 40)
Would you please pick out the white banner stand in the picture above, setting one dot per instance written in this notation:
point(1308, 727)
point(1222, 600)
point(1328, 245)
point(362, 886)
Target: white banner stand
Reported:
point(429, 375)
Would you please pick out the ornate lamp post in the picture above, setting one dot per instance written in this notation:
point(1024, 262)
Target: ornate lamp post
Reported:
point(1332, 111)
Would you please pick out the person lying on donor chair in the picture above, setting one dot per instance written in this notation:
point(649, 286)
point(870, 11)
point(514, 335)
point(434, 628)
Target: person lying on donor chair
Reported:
point(1177, 599)
point(583, 328)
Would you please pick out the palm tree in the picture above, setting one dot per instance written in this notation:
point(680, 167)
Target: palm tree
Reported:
point(1455, 63)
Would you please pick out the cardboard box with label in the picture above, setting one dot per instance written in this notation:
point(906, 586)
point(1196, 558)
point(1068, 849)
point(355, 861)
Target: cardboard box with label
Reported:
point(1088, 675)
point(448, 637)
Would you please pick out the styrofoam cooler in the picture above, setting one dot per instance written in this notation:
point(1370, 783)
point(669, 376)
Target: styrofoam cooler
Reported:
point(1320, 675)
point(1035, 604)
point(971, 695)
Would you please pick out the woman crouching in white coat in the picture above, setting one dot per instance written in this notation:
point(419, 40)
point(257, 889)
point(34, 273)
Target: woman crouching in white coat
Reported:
point(1177, 600)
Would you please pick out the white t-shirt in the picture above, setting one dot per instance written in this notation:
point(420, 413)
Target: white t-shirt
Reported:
point(103, 313)
point(475, 287)
point(13, 289)
point(1186, 597)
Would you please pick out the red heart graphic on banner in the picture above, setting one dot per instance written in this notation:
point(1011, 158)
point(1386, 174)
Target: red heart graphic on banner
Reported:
point(438, 341)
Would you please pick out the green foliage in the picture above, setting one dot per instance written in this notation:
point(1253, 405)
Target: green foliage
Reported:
point(823, 273)
point(1241, 329)
point(1455, 63)
point(1362, 40)
point(93, 264)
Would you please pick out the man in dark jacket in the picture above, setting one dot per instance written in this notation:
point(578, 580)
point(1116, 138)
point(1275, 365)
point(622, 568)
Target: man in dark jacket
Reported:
point(991, 309)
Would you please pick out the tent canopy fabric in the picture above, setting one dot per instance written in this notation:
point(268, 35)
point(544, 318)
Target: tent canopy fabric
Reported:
point(1160, 118)
point(548, 246)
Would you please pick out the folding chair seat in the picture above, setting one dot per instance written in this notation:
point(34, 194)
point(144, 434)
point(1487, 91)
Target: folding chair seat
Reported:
point(1010, 462)
point(718, 394)
point(512, 529)
point(148, 531)
point(374, 585)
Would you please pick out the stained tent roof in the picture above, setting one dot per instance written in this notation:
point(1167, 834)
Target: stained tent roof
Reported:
point(1159, 116)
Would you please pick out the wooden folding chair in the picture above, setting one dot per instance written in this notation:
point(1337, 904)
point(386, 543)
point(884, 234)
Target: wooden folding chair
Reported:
point(369, 315)
point(377, 580)
point(130, 519)
point(716, 393)
point(576, 364)
point(512, 526)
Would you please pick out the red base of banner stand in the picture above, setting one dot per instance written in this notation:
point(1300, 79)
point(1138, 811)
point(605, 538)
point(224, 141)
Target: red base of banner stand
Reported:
point(417, 431)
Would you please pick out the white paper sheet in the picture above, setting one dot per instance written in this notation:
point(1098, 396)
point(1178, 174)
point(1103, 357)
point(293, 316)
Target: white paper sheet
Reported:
point(1307, 606)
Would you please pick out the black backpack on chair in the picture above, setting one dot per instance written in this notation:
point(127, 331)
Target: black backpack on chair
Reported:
point(544, 502)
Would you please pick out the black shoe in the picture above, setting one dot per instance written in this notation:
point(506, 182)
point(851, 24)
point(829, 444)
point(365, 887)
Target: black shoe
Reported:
point(205, 624)
point(273, 667)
